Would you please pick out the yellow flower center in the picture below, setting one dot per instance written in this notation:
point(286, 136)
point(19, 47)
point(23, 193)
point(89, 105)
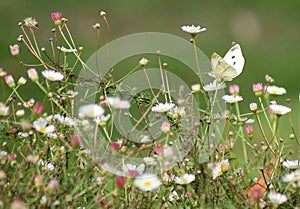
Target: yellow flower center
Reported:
point(184, 181)
point(90, 114)
point(147, 183)
point(223, 168)
point(42, 129)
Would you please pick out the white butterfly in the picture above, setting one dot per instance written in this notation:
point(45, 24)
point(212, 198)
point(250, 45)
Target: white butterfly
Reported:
point(229, 67)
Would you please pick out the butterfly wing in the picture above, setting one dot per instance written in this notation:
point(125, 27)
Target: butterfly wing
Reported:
point(221, 70)
point(234, 57)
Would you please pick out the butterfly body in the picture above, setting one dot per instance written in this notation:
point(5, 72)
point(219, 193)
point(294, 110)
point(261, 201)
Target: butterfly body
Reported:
point(229, 67)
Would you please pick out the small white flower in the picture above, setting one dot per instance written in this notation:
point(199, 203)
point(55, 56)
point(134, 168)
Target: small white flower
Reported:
point(232, 99)
point(52, 75)
point(102, 119)
point(192, 29)
point(293, 178)
point(196, 87)
point(177, 111)
point(274, 90)
point(43, 200)
point(173, 196)
point(162, 107)
point(133, 170)
point(65, 50)
point(277, 198)
point(184, 179)
point(48, 166)
point(41, 125)
point(150, 161)
point(279, 109)
point(145, 139)
point(117, 103)
point(219, 168)
point(292, 164)
point(4, 110)
point(90, 110)
point(147, 182)
point(23, 134)
point(214, 86)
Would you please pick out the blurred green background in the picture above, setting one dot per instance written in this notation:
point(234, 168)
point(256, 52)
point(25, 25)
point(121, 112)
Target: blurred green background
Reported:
point(268, 31)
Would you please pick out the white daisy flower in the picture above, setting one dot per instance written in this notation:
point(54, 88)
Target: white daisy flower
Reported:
point(232, 99)
point(65, 50)
point(4, 110)
point(162, 107)
point(277, 198)
point(214, 86)
point(219, 168)
point(184, 179)
point(293, 178)
point(173, 196)
point(41, 125)
point(177, 111)
point(147, 182)
point(145, 139)
point(279, 109)
point(52, 75)
point(90, 110)
point(133, 170)
point(102, 119)
point(117, 103)
point(192, 29)
point(274, 90)
point(292, 164)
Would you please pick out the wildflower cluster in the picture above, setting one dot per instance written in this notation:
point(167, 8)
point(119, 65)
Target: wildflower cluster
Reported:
point(157, 148)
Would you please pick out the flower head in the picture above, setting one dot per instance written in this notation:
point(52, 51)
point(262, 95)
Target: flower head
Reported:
point(293, 178)
point(4, 110)
point(292, 164)
point(219, 168)
point(214, 86)
point(143, 62)
point(14, 49)
point(147, 182)
point(184, 179)
point(117, 103)
point(162, 107)
point(91, 111)
point(56, 17)
point(31, 22)
point(38, 108)
point(193, 30)
point(10, 81)
point(32, 74)
point(274, 90)
point(133, 170)
point(234, 89)
point(41, 125)
point(165, 127)
point(52, 75)
point(65, 50)
point(277, 198)
point(232, 99)
point(279, 109)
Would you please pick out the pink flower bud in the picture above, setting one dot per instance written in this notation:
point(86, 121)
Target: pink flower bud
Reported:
point(10, 81)
point(116, 146)
point(249, 130)
point(22, 81)
point(52, 184)
point(38, 180)
point(17, 204)
point(165, 127)
point(234, 89)
point(14, 49)
point(11, 156)
point(56, 17)
point(38, 108)
point(120, 181)
point(32, 74)
point(76, 141)
point(258, 89)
